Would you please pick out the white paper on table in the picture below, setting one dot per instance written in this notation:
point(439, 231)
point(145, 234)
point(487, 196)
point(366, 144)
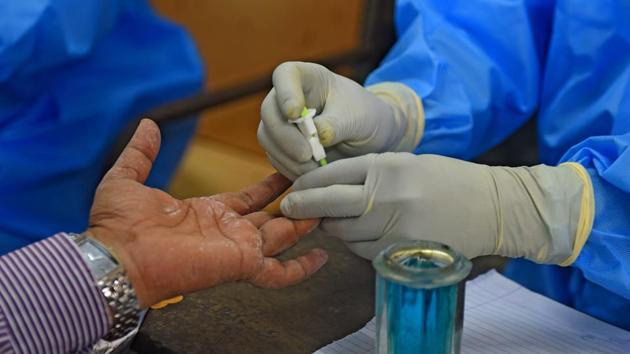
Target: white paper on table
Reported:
point(501, 316)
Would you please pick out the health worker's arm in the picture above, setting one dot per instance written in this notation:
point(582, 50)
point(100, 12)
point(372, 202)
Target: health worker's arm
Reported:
point(605, 257)
point(475, 65)
point(585, 115)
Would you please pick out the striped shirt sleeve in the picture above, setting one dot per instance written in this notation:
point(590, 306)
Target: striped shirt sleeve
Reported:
point(48, 300)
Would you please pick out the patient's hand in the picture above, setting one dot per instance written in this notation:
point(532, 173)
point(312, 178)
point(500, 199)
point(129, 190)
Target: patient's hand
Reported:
point(171, 246)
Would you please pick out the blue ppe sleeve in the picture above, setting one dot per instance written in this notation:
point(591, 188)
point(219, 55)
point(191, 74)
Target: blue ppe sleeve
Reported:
point(598, 283)
point(585, 109)
point(36, 35)
point(475, 64)
point(586, 97)
point(73, 75)
point(605, 258)
point(585, 91)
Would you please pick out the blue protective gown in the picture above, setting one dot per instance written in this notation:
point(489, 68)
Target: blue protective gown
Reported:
point(73, 74)
point(484, 67)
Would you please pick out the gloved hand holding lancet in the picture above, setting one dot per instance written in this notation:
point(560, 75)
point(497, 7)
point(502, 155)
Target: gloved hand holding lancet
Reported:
point(351, 120)
point(542, 213)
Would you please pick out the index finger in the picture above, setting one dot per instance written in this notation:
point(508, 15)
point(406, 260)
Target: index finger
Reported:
point(287, 81)
point(292, 80)
point(257, 196)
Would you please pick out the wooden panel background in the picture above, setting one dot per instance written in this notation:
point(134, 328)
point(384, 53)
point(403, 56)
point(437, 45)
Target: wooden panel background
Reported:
point(240, 40)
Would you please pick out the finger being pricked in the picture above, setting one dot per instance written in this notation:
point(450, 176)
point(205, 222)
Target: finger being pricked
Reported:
point(277, 274)
point(281, 233)
point(259, 218)
point(255, 197)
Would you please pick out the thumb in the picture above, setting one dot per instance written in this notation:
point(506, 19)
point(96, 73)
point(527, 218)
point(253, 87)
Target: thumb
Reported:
point(137, 158)
point(333, 130)
point(327, 129)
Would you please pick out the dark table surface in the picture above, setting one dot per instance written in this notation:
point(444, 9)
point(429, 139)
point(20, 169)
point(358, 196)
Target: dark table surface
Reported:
point(240, 318)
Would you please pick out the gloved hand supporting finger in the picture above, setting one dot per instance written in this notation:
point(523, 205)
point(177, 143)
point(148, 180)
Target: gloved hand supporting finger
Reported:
point(356, 229)
point(331, 201)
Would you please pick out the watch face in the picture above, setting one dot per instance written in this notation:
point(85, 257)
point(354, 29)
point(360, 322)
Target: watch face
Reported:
point(100, 262)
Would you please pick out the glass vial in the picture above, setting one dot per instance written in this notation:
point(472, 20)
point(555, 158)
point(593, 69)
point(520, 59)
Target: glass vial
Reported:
point(420, 298)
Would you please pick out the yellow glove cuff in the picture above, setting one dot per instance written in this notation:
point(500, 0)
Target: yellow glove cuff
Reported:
point(407, 101)
point(587, 213)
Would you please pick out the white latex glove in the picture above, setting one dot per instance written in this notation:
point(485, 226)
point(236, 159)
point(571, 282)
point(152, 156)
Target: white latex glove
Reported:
point(351, 120)
point(542, 213)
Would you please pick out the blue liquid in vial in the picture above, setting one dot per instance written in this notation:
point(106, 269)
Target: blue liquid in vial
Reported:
point(416, 320)
point(419, 320)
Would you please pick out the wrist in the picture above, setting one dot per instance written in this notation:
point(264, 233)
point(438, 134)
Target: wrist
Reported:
point(539, 211)
point(407, 109)
point(112, 282)
point(123, 253)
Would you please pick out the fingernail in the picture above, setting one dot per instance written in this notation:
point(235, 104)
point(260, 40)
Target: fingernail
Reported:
point(323, 254)
point(292, 109)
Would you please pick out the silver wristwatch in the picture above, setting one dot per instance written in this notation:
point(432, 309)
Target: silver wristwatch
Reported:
point(113, 283)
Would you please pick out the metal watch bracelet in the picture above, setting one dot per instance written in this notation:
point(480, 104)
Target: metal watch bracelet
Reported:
point(121, 299)
point(113, 284)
